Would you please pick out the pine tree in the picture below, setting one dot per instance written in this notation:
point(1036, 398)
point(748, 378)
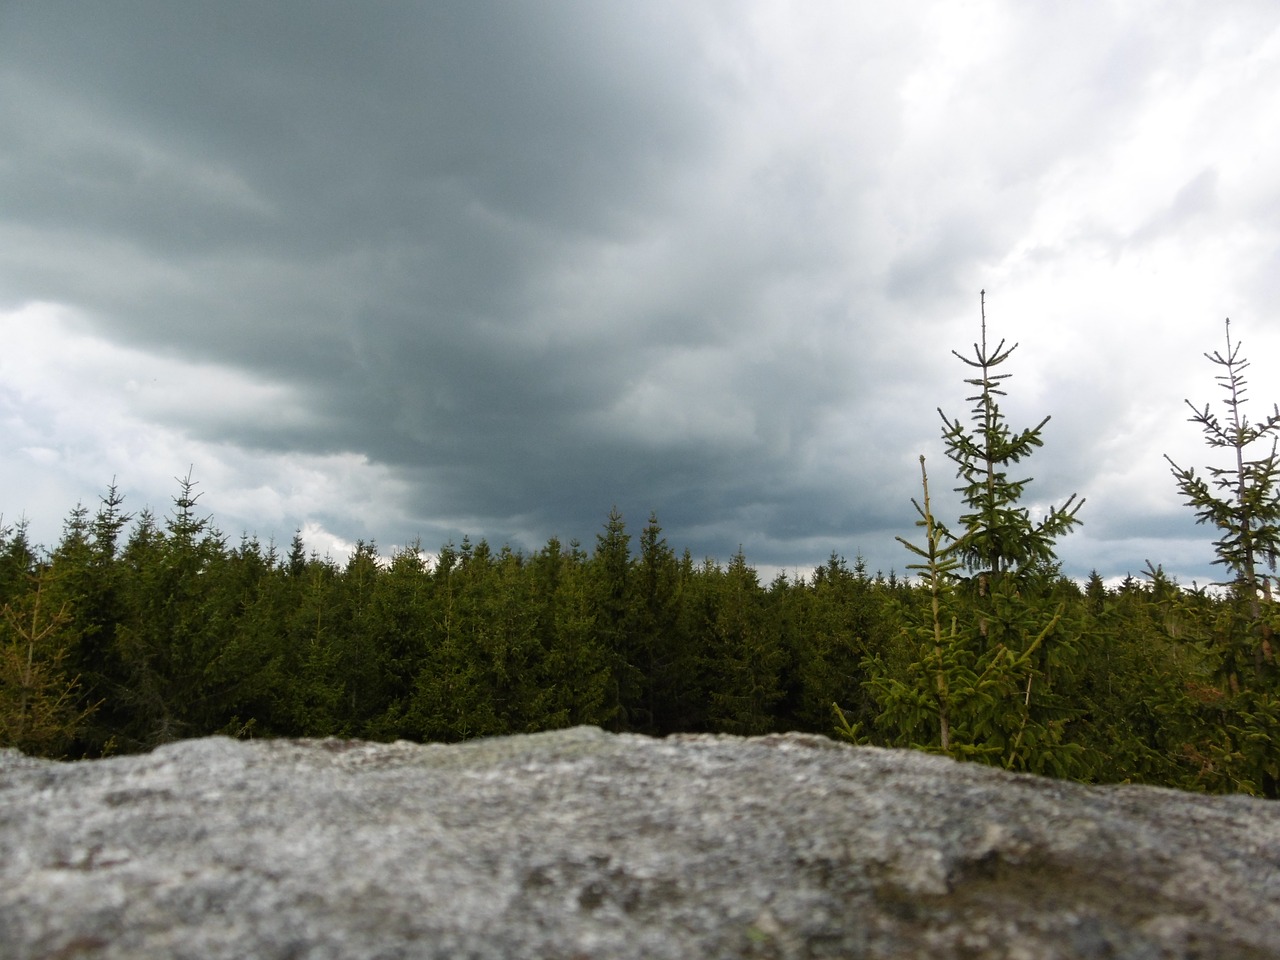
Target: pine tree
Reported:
point(841, 623)
point(86, 572)
point(168, 639)
point(1242, 500)
point(1246, 507)
point(999, 535)
point(575, 667)
point(744, 663)
point(668, 661)
point(993, 651)
point(612, 593)
point(40, 702)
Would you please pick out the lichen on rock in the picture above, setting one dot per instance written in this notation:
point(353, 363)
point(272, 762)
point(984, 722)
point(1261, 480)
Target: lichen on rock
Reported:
point(580, 843)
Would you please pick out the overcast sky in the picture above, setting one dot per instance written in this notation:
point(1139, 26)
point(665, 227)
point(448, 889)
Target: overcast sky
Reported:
point(418, 270)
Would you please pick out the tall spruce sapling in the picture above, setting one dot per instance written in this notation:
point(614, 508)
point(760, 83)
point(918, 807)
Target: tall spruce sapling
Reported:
point(1242, 500)
point(936, 573)
point(1246, 505)
point(960, 697)
point(1007, 550)
point(989, 656)
point(927, 696)
point(999, 535)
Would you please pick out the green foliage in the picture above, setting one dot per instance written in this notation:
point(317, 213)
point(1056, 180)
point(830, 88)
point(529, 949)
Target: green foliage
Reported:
point(832, 625)
point(169, 631)
point(173, 626)
point(124, 636)
point(39, 700)
point(968, 690)
point(576, 668)
point(945, 672)
point(610, 576)
point(1133, 695)
point(742, 662)
point(990, 659)
point(669, 663)
point(1242, 501)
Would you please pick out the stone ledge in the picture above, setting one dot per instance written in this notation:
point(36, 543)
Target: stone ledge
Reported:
point(580, 843)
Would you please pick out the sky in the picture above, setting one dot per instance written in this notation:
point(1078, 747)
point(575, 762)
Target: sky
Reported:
point(409, 271)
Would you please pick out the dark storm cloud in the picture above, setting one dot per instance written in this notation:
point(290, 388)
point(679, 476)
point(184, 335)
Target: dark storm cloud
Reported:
point(485, 242)
point(513, 264)
point(421, 158)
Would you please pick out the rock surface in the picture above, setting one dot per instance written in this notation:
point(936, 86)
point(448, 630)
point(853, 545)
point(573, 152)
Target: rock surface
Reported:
point(581, 844)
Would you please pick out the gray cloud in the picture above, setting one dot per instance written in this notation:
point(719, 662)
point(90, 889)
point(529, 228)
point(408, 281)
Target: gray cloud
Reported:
point(525, 262)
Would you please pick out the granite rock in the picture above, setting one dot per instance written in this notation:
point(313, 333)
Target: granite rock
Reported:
point(584, 844)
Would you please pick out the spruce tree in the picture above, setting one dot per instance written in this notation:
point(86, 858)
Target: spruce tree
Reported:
point(40, 702)
point(841, 621)
point(1246, 506)
point(612, 595)
point(990, 649)
point(668, 662)
point(999, 536)
point(944, 659)
point(1242, 500)
point(574, 667)
point(743, 663)
point(172, 630)
point(85, 574)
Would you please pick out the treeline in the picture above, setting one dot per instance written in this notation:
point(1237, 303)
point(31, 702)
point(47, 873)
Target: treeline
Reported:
point(133, 631)
point(117, 642)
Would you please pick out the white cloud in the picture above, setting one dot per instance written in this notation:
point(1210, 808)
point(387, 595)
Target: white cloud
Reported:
point(81, 411)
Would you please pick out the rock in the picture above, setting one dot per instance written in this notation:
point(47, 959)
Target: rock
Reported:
point(583, 844)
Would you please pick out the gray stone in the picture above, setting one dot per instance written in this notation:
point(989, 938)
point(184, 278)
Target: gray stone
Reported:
point(580, 844)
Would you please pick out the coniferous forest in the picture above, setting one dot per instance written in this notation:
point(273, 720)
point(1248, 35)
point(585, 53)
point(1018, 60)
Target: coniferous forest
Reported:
point(136, 629)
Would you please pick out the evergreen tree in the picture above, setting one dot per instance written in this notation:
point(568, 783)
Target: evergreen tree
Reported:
point(245, 616)
point(400, 626)
point(514, 653)
point(40, 702)
point(99, 602)
point(1242, 500)
point(1145, 685)
point(668, 661)
point(947, 669)
point(695, 619)
point(168, 640)
point(297, 561)
point(1246, 507)
point(840, 624)
point(575, 667)
point(612, 596)
point(454, 695)
point(309, 702)
point(999, 535)
point(744, 663)
point(997, 653)
point(17, 561)
point(356, 660)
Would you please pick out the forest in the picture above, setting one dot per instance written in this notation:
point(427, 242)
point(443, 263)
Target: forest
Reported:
point(134, 630)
